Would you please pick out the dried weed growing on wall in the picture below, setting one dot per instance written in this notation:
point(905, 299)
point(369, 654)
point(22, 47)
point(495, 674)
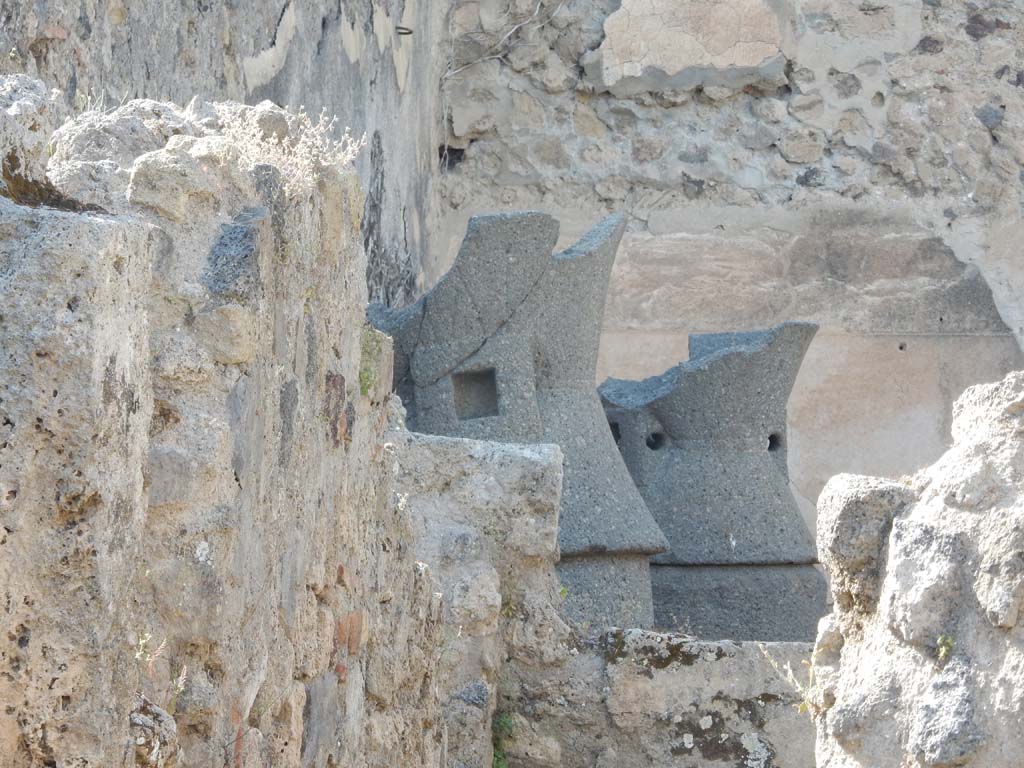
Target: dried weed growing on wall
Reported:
point(298, 146)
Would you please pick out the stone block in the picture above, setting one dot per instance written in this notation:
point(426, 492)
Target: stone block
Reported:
point(924, 672)
point(782, 603)
point(665, 46)
point(485, 519)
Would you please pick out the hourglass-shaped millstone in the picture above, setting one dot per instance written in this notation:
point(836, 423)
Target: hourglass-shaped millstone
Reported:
point(706, 445)
point(505, 348)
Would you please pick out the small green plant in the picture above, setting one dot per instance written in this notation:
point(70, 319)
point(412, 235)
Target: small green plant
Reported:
point(805, 705)
point(368, 359)
point(944, 647)
point(510, 609)
point(785, 672)
point(502, 727)
point(563, 593)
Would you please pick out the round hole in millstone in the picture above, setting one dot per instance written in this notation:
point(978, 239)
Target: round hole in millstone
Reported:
point(656, 441)
point(774, 441)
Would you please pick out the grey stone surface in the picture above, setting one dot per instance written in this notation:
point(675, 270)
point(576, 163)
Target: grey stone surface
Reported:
point(626, 574)
point(505, 348)
point(739, 602)
point(706, 444)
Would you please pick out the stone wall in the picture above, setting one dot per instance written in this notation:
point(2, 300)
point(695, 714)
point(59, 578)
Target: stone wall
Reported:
point(513, 677)
point(920, 662)
point(213, 545)
point(637, 699)
point(202, 563)
point(852, 164)
point(485, 519)
point(349, 58)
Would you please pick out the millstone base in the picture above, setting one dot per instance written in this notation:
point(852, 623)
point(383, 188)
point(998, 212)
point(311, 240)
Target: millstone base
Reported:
point(740, 602)
point(603, 591)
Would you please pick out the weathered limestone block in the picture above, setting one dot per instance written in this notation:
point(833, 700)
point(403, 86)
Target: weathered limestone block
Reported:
point(505, 348)
point(668, 45)
point(485, 519)
point(28, 115)
point(75, 406)
point(852, 536)
point(201, 560)
point(636, 699)
point(920, 662)
point(93, 155)
point(705, 443)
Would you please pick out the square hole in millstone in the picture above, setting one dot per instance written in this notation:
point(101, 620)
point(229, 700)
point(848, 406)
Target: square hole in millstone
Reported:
point(476, 394)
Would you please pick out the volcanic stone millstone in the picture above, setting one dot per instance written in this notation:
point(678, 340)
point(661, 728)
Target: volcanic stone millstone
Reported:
point(706, 444)
point(505, 348)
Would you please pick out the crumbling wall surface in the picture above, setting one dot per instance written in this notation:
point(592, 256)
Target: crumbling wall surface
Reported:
point(852, 164)
point(921, 662)
point(517, 683)
point(201, 561)
point(639, 699)
point(352, 59)
point(485, 519)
